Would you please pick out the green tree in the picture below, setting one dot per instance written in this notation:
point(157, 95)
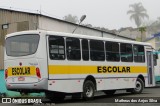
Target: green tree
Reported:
point(142, 30)
point(70, 18)
point(137, 13)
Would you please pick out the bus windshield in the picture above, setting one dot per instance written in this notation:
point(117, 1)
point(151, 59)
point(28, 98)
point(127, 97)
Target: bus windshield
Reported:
point(22, 45)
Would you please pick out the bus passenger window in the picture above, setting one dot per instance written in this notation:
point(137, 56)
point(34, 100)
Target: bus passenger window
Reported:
point(97, 50)
point(56, 48)
point(139, 55)
point(73, 49)
point(112, 51)
point(126, 52)
point(85, 50)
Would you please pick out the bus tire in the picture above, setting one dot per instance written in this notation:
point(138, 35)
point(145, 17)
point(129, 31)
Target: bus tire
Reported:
point(88, 90)
point(109, 92)
point(55, 96)
point(139, 87)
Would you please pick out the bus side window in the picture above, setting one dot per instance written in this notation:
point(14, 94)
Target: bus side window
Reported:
point(85, 50)
point(56, 48)
point(97, 50)
point(126, 52)
point(112, 51)
point(139, 55)
point(73, 48)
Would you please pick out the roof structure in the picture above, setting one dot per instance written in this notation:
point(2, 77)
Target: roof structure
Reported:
point(44, 15)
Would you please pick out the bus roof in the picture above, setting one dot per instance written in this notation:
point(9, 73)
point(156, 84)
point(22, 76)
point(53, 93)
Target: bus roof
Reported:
point(76, 35)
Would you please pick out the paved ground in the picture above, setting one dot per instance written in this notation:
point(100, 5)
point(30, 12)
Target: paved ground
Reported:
point(100, 99)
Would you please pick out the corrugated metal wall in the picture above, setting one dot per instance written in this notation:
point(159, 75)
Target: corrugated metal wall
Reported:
point(17, 21)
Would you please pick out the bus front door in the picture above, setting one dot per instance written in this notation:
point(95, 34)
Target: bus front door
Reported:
point(150, 68)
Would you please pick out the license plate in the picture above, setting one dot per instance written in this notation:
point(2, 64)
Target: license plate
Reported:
point(21, 78)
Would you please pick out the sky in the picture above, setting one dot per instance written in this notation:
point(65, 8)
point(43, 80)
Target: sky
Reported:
point(111, 14)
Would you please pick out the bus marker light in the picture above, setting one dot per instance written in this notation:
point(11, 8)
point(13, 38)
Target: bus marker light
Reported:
point(20, 63)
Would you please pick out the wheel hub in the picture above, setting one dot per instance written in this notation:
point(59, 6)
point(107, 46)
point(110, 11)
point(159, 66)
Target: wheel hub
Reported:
point(89, 91)
point(138, 86)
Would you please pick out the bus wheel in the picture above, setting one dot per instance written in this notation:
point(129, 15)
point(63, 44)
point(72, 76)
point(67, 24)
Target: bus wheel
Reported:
point(55, 96)
point(109, 92)
point(139, 87)
point(88, 90)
